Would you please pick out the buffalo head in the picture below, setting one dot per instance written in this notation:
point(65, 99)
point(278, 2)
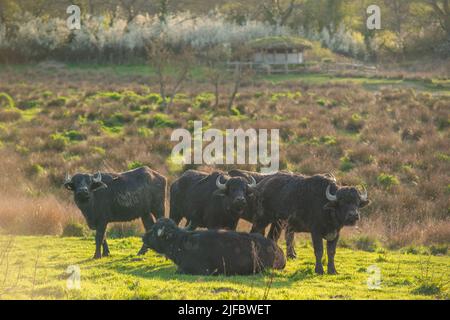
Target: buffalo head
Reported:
point(345, 203)
point(83, 185)
point(159, 236)
point(236, 189)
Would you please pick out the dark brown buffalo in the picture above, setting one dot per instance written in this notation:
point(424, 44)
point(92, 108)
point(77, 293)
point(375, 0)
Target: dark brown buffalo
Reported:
point(210, 200)
point(314, 204)
point(111, 197)
point(275, 228)
point(214, 252)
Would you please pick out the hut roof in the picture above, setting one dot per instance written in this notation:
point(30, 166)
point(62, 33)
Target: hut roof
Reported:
point(280, 43)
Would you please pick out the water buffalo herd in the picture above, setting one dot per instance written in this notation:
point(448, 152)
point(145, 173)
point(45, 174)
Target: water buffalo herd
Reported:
point(217, 201)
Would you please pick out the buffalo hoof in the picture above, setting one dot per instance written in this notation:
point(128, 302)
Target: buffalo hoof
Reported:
point(97, 256)
point(332, 272)
point(106, 254)
point(142, 251)
point(319, 270)
point(291, 255)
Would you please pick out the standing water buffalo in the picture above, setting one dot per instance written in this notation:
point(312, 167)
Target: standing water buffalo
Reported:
point(213, 201)
point(275, 228)
point(214, 252)
point(110, 197)
point(314, 204)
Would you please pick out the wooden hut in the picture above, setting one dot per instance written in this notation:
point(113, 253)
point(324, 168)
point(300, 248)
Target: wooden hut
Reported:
point(276, 52)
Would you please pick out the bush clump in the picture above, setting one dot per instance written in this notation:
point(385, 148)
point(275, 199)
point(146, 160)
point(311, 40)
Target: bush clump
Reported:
point(161, 120)
point(135, 165)
point(75, 229)
point(387, 181)
point(58, 102)
point(124, 230)
point(9, 101)
point(355, 123)
point(365, 243)
point(346, 164)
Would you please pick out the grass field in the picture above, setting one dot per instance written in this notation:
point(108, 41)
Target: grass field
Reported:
point(390, 134)
point(372, 83)
point(35, 268)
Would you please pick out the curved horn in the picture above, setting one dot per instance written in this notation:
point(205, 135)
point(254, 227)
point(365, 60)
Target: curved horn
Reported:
point(332, 177)
point(97, 177)
point(221, 186)
point(363, 195)
point(330, 196)
point(188, 227)
point(253, 183)
point(67, 178)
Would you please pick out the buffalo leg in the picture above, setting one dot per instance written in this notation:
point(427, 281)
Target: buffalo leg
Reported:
point(105, 248)
point(259, 227)
point(148, 223)
point(331, 251)
point(318, 252)
point(290, 245)
point(275, 230)
point(99, 238)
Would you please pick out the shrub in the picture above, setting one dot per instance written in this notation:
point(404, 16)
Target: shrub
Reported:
point(161, 120)
point(75, 229)
point(74, 135)
point(58, 141)
point(154, 98)
point(37, 170)
point(124, 230)
point(99, 150)
point(346, 164)
point(144, 132)
point(58, 102)
point(115, 96)
point(365, 243)
point(235, 111)
point(9, 101)
point(116, 120)
point(387, 181)
point(135, 165)
point(203, 100)
point(439, 249)
point(356, 123)
point(30, 104)
point(428, 288)
point(328, 140)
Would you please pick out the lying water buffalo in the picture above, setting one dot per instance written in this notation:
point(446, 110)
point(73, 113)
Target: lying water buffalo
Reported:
point(111, 197)
point(275, 228)
point(213, 201)
point(213, 252)
point(314, 204)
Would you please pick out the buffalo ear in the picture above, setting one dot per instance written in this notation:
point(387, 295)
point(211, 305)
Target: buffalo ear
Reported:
point(219, 193)
point(252, 192)
point(98, 185)
point(364, 203)
point(69, 186)
point(331, 205)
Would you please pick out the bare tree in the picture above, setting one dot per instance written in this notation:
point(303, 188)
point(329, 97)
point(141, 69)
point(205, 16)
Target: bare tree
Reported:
point(215, 58)
point(171, 69)
point(240, 72)
point(276, 12)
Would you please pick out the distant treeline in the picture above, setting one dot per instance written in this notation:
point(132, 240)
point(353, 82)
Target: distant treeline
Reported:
point(118, 31)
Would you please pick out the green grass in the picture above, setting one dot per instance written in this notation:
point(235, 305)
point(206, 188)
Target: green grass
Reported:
point(372, 84)
point(437, 86)
point(35, 268)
